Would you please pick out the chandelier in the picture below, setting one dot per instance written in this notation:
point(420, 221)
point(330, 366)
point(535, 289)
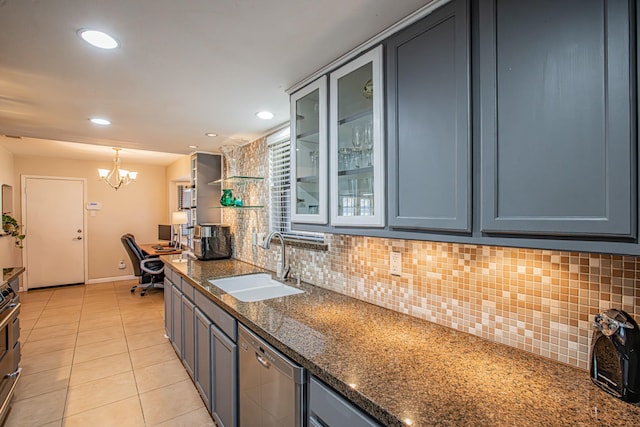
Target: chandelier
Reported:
point(116, 177)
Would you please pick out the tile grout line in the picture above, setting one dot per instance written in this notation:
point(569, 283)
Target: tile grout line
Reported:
point(135, 379)
point(65, 416)
point(66, 397)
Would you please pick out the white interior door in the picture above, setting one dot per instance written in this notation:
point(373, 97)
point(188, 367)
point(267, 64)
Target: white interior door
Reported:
point(53, 216)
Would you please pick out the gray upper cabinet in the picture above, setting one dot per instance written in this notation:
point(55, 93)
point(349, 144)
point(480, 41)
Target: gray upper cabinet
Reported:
point(309, 154)
point(557, 138)
point(428, 119)
point(205, 168)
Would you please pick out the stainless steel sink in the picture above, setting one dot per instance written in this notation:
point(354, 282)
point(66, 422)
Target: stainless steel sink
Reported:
point(254, 287)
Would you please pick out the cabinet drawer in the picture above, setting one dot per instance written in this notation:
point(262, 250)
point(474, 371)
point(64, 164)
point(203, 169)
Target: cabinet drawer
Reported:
point(188, 290)
point(173, 276)
point(327, 408)
point(168, 273)
point(224, 321)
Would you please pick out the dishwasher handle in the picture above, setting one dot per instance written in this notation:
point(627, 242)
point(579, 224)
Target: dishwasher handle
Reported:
point(263, 362)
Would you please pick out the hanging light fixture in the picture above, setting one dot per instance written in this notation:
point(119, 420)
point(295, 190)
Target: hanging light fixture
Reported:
point(116, 177)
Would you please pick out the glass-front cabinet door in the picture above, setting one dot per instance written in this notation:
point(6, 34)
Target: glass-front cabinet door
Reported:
point(309, 154)
point(357, 164)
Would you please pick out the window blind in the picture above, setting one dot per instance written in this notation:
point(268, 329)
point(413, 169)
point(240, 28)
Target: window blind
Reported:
point(280, 190)
point(279, 165)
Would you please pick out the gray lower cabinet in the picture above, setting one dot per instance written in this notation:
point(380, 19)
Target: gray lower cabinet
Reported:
point(204, 372)
point(428, 120)
point(189, 336)
point(204, 337)
point(168, 308)
point(556, 118)
point(176, 320)
point(328, 409)
point(224, 393)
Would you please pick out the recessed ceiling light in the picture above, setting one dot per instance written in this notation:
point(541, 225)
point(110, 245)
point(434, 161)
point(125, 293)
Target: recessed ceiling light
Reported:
point(193, 146)
point(210, 134)
point(98, 39)
point(265, 115)
point(100, 121)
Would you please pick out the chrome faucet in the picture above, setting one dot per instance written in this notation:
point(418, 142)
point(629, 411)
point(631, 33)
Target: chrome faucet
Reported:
point(283, 271)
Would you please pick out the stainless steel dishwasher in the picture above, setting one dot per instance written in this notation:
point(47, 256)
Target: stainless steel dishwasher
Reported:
point(271, 386)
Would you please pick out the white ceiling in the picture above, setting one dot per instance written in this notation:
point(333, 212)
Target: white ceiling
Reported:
point(184, 67)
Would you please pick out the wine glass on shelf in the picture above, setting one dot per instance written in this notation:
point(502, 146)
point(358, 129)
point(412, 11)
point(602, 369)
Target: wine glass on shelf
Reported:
point(357, 138)
point(344, 158)
point(368, 142)
point(314, 155)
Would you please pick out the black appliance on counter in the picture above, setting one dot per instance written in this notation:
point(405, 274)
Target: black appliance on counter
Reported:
point(212, 241)
point(9, 347)
point(615, 355)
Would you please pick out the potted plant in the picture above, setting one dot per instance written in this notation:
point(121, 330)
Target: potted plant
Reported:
point(11, 227)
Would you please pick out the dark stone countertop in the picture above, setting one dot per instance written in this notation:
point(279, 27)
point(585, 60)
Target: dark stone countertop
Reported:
point(9, 274)
point(397, 367)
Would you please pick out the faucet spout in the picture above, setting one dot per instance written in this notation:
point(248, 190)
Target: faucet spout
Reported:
point(284, 271)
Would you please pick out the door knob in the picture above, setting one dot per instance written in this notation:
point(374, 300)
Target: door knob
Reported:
point(79, 238)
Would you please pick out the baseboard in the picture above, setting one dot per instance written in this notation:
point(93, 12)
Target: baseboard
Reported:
point(110, 279)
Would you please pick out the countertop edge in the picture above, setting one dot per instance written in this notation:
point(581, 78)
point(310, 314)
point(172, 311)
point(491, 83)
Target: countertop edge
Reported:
point(8, 274)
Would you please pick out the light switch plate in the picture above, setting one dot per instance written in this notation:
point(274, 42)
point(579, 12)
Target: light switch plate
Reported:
point(395, 263)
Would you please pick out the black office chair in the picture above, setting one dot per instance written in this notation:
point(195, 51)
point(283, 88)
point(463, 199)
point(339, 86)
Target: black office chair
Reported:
point(149, 269)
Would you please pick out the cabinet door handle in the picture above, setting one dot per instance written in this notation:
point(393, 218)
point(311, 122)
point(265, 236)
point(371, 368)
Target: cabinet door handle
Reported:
point(315, 421)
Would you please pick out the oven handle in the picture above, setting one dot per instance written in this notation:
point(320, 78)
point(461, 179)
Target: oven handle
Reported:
point(7, 401)
point(15, 307)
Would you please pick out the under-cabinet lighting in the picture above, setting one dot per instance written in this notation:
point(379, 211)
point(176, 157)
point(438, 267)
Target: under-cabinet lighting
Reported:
point(210, 134)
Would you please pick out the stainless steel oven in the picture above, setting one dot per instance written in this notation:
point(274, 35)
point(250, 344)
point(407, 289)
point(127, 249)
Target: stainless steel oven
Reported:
point(9, 347)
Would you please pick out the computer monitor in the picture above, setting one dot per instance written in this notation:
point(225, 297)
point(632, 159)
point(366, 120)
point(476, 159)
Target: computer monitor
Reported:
point(164, 232)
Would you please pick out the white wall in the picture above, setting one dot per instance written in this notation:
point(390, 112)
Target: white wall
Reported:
point(137, 208)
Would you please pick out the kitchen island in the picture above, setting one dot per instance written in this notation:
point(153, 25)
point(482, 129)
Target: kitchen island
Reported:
point(406, 371)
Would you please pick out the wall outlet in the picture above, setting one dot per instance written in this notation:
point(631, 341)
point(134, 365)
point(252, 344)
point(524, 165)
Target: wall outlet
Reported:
point(395, 263)
point(122, 265)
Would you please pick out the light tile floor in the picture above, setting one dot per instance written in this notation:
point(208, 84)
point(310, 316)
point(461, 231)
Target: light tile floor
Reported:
point(96, 355)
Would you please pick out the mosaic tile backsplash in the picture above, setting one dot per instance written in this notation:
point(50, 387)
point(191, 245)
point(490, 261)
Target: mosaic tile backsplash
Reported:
point(539, 301)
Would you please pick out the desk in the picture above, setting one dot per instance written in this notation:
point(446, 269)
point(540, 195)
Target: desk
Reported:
point(147, 248)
